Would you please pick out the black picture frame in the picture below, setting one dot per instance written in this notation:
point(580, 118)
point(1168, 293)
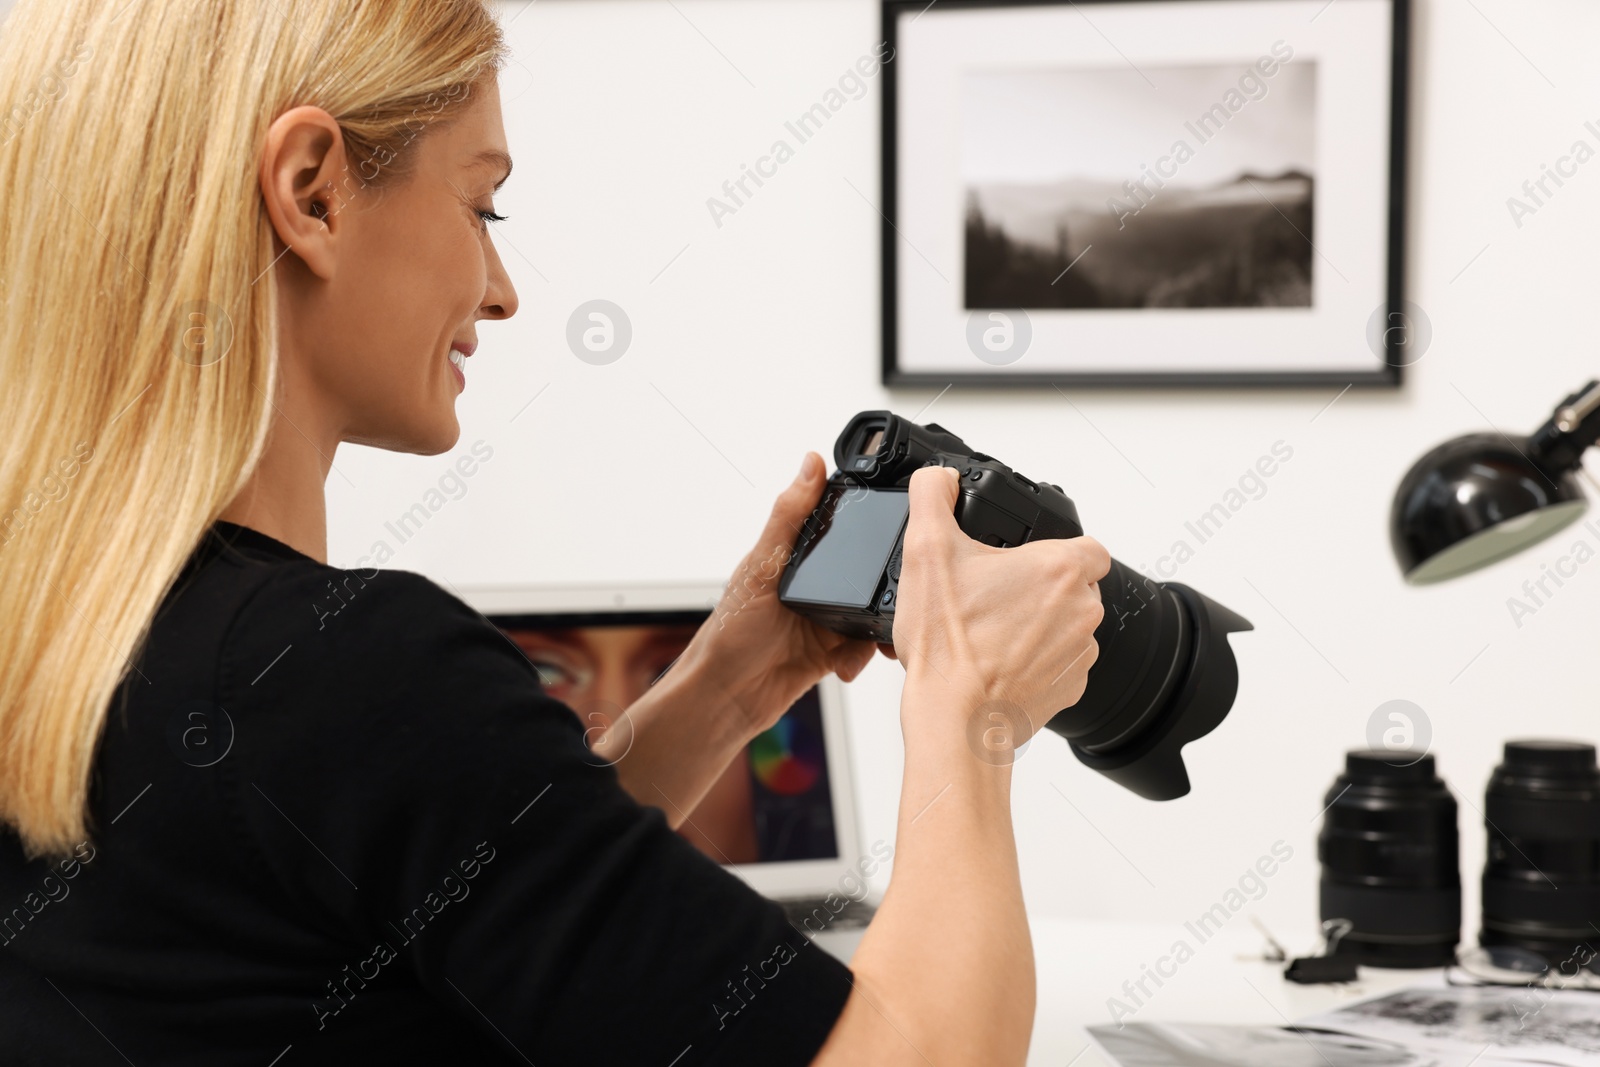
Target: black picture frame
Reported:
point(1387, 375)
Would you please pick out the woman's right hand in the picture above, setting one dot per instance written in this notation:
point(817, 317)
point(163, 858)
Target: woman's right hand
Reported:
point(1012, 626)
point(995, 641)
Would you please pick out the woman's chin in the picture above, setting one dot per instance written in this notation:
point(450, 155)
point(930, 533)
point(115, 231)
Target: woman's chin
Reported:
point(444, 439)
point(438, 436)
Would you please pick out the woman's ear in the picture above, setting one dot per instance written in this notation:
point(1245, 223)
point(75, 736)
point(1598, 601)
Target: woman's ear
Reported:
point(301, 165)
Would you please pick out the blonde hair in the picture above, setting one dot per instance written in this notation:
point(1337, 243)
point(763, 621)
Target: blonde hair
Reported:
point(138, 349)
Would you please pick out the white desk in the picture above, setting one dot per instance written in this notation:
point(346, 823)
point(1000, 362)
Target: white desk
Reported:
point(1081, 964)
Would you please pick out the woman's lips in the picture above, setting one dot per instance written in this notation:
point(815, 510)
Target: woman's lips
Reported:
point(457, 358)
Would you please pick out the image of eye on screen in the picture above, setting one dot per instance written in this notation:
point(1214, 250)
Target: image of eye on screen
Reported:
point(772, 804)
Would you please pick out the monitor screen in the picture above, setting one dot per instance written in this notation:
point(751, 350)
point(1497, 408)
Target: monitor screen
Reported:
point(772, 804)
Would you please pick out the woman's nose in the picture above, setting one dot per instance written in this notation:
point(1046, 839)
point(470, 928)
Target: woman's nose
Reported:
point(500, 299)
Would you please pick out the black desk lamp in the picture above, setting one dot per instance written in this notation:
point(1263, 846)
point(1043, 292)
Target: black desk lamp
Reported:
point(1480, 498)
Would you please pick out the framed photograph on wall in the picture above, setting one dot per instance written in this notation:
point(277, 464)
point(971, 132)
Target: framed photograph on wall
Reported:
point(1145, 193)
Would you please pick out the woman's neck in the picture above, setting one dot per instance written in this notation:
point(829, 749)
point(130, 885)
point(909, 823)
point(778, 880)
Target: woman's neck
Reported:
point(284, 497)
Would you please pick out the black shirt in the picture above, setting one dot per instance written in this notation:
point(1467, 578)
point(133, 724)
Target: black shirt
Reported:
point(334, 819)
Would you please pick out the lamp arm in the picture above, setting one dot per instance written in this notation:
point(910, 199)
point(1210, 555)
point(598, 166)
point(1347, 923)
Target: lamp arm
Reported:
point(1559, 444)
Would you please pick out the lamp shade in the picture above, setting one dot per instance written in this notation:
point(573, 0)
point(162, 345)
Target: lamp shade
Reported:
point(1474, 500)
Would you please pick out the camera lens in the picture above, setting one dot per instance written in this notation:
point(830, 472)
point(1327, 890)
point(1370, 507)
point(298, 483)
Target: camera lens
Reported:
point(1541, 881)
point(1164, 675)
point(1389, 856)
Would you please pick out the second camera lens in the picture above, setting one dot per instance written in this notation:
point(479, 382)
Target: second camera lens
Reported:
point(1390, 865)
point(1541, 880)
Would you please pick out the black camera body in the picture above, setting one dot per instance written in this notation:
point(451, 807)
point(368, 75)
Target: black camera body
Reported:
point(1164, 675)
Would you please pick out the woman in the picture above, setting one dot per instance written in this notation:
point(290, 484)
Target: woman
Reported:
point(264, 810)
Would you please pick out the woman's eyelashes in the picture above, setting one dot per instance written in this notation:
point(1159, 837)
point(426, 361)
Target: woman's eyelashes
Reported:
point(560, 675)
point(489, 216)
point(557, 683)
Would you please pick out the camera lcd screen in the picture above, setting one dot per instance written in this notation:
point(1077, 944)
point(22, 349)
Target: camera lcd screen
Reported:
point(845, 562)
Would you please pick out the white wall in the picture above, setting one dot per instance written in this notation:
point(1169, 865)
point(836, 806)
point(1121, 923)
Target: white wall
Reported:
point(761, 338)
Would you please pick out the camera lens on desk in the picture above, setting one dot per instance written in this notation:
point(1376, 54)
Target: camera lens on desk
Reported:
point(1390, 865)
point(1541, 881)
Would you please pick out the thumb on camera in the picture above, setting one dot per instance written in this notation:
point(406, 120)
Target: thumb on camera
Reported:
point(934, 491)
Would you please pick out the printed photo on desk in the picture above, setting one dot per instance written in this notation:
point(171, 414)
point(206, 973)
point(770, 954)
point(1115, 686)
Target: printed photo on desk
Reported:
point(1432, 1025)
point(1490, 1025)
point(1209, 1045)
point(1122, 192)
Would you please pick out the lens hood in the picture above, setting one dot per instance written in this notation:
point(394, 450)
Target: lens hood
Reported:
point(1151, 764)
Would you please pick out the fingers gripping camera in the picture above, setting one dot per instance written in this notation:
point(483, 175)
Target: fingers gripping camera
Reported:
point(1165, 674)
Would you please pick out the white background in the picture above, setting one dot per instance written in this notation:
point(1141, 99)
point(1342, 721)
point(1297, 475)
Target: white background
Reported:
point(761, 338)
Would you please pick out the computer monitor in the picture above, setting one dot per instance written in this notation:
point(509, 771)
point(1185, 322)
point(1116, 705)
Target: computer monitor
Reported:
point(783, 815)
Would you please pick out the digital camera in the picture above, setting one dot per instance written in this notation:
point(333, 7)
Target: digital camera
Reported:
point(1165, 674)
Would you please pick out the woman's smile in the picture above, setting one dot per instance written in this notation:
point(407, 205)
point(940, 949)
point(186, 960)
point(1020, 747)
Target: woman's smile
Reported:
point(458, 360)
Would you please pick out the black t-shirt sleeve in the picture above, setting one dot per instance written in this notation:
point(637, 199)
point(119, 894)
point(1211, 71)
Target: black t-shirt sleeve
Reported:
point(407, 787)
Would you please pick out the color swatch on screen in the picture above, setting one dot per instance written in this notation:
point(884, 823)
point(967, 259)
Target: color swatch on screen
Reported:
point(787, 758)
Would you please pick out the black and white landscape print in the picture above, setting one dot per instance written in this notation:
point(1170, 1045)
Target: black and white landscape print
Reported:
point(1159, 187)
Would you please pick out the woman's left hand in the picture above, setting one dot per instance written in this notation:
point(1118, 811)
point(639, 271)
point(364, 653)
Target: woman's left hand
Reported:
point(754, 650)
